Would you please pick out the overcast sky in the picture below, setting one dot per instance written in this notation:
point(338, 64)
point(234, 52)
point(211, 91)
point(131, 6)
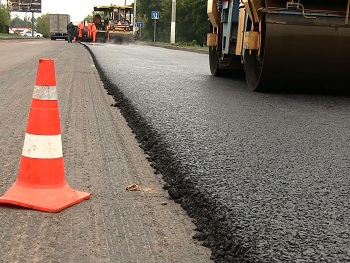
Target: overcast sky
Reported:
point(77, 9)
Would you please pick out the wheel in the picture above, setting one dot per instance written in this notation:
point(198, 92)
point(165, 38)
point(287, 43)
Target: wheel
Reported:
point(214, 62)
point(214, 56)
point(253, 59)
point(253, 69)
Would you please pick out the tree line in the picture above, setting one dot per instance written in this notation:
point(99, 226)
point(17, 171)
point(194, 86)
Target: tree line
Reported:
point(191, 20)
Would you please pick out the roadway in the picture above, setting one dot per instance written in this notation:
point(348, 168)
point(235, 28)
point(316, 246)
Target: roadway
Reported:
point(266, 175)
point(263, 175)
point(101, 157)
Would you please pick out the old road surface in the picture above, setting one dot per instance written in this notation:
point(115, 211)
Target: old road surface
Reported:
point(101, 156)
point(264, 176)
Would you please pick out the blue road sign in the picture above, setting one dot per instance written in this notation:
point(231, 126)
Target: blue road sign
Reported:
point(155, 15)
point(139, 24)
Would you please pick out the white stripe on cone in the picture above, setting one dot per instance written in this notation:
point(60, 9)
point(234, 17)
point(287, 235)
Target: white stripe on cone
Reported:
point(42, 146)
point(45, 92)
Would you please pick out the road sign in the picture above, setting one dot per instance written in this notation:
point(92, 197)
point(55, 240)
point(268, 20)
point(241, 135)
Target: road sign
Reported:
point(24, 5)
point(139, 24)
point(155, 15)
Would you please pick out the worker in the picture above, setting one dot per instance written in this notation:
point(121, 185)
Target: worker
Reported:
point(70, 31)
point(94, 32)
point(81, 28)
point(89, 29)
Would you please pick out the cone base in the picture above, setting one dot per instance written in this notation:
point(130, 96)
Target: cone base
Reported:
point(46, 199)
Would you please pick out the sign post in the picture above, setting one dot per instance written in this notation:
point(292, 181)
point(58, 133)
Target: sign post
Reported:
point(173, 22)
point(154, 15)
point(140, 26)
point(33, 6)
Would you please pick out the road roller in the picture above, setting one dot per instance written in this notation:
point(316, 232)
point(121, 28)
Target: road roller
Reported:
point(281, 44)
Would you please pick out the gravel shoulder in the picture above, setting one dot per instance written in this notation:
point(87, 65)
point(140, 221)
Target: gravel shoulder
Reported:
point(101, 156)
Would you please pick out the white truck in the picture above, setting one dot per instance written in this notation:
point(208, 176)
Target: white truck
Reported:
point(58, 26)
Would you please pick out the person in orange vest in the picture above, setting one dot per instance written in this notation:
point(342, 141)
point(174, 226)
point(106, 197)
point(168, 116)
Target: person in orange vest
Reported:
point(81, 28)
point(89, 29)
point(94, 32)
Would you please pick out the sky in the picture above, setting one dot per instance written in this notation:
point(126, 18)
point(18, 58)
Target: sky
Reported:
point(77, 9)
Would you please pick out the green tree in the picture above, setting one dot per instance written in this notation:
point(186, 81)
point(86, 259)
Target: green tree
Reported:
point(42, 25)
point(27, 21)
point(145, 7)
point(89, 17)
point(4, 18)
point(18, 22)
point(191, 20)
point(192, 23)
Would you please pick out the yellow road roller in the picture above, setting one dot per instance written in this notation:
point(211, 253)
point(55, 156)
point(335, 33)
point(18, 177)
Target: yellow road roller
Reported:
point(281, 43)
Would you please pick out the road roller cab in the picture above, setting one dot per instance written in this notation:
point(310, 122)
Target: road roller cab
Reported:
point(280, 43)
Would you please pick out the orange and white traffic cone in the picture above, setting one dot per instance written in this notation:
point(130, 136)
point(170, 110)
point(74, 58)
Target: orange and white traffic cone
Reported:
point(41, 183)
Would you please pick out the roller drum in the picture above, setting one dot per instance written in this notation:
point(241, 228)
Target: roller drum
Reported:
point(299, 53)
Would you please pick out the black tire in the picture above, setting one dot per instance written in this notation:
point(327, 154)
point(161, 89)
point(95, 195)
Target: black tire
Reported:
point(214, 62)
point(253, 69)
point(232, 65)
point(214, 56)
point(253, 63)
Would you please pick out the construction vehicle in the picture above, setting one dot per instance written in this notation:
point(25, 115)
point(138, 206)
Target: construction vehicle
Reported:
point(280, 43)
point(58, 26)
point(113, 24)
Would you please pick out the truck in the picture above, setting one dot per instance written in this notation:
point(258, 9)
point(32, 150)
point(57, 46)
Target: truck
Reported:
point(280, 43)
point(58, 26)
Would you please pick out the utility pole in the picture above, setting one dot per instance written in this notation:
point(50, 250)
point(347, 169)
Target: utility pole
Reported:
point(32, 23)
point(134, 19)
point(173, 22)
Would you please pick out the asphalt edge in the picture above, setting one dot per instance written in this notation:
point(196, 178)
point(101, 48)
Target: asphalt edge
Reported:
point(213, 228)
point(174, 47)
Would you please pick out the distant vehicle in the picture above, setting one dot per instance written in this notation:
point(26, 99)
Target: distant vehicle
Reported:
point(28, 33)
point(19, 31)
point(58, 26)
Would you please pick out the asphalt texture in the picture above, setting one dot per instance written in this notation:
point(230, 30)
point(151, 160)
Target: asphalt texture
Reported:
point(265, 175)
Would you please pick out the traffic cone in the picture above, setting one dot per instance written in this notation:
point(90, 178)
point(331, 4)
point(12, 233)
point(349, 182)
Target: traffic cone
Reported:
point(41, 183)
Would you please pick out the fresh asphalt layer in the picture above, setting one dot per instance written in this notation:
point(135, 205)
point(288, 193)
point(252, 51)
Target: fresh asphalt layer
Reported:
point(265, 175)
